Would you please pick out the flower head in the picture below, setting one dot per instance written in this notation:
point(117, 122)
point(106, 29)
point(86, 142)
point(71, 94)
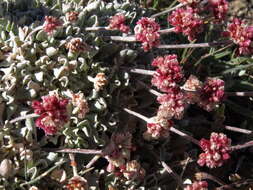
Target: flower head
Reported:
point(219, 9)
point(192, 87)
point(80, 104)
point(158, 128)
point(197, 185)
point(242, 35)
point(100, 81)
point(133, 170)
point(147, 32)
point(77, 45)
point(52, 111)
point(187, 21)
point(211, 93)
point(169, 72)
point(72, 16)
point(117, 22)
point(51, 24)
point(118, 150)
point(77, 183)
point(172, 104)
point(216, 150)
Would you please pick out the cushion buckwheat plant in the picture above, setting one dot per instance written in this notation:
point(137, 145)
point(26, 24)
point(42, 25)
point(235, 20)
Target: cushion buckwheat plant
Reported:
point(106, 94)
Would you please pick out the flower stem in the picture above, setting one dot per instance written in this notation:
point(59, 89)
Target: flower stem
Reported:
point(239, 130)
point(245, 145)
point(168, 10)
point(199, 45)
point(156, 93)
point(123, 39)
point(184, 135)
point(44, 174)
point(142, 71)
point(73, 164)
point(24, 117)
point(144, 118)
point(172, 129)
point(239, 93)
point(93, 160)
point(98, 28)
point(69, 150)
point(166, 31)
point(173, 174)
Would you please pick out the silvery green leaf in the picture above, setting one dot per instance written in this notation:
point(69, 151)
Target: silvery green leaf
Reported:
point(32, 93)
point(92, 6)
point(100, 104)
point(51, 51)
point(39, 76)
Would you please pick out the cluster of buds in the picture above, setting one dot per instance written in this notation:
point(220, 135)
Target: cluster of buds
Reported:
point(216, 150)
point(242, 35)
point(218, 8)
point(172, 104)
point(117, 22)
point(197, 185)
point(77, 45)
point(77, 183)
point(72, 16)
point(100, 81)
point(81, 107)
point(187, 21)
point(211, 93)
point(132, 170)
point(147, 32)
point(158, 128)
point(52, 111)
point(118, 151)
point(208, 95)
point(168, 73)
point(51, 24)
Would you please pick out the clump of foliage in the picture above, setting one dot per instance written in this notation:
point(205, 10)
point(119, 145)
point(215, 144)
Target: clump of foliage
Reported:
point(112, 95)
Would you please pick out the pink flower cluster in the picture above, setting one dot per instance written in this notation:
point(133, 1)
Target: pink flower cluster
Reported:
point(158, 128)
point(118, 151)
point(172, 104)
point(207, 95)
point(147, 32)
point(168, 73)
point(187, 21)
point(216, 150)
point(197, 185)
point(51, 24)
point(117, 22)
point(242, 35)
point(211, 93)
point(52, 112)
point(219, 9)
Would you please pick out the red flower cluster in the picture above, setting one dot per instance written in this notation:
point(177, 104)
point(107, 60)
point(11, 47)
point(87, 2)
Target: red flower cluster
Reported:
point(211, 93)
point(158, 128)
point(197, 185)
point(168, 73)
point(216, 150)
point(172, 104)
point(219, 8)
point(51, 23)
point(187, 21)
point(53, 113)
point(147, 32)
point(242, 35)
point(117, 22)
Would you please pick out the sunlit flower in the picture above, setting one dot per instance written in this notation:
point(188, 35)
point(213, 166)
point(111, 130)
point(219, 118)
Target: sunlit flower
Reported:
point(147, 32)
point(197, 185)
point(117, 22)
point(216, 150)
point(52, 111)
point(51, 24)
